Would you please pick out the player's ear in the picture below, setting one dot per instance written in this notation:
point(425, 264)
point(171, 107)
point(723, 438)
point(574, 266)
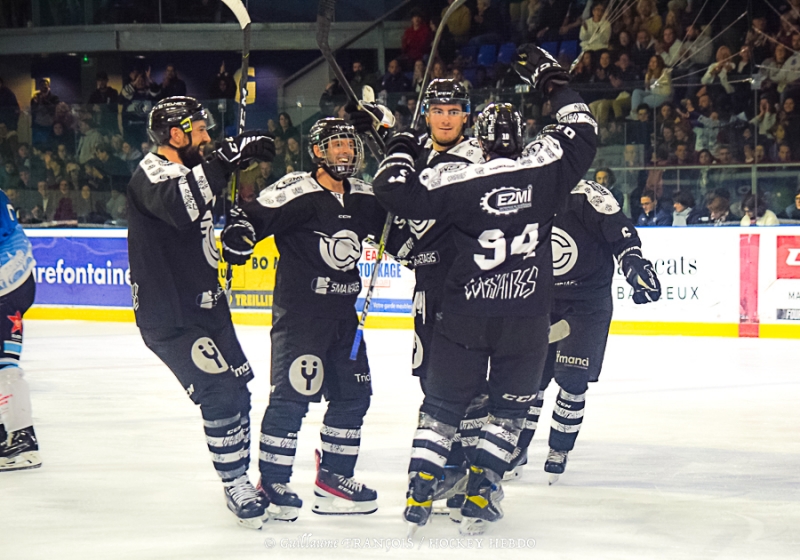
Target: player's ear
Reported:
point(317, 151)
point(176, 135)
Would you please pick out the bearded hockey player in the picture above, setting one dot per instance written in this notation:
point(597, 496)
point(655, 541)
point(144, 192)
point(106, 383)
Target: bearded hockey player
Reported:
point(319, 220)
point(180, 308)
point(587, 235)
point(19, 448)
point(496, 304)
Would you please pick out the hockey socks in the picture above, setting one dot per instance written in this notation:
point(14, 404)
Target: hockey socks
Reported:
point(567, 420)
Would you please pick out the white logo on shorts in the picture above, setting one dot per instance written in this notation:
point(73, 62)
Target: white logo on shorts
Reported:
point(207, 356)
point(306, 374)
point(416, 360)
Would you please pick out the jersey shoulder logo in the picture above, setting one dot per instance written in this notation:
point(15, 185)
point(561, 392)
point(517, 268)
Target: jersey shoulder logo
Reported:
point(506, 200)
point(565, 251)
point(341, 250)
point(469, 149)
point(159, 170)
point(598, 196)
point(292, 186)
point(360, 187)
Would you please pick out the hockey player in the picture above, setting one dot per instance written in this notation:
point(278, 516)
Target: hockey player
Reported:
point(180, 308)
point(588, 234)
point(428, 248)
point(19, 448)
point(319, 220)
point(495, 310)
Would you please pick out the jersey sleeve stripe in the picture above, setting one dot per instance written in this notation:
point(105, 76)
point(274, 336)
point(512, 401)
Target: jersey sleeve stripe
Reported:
point(202, 183)
point(188, 199)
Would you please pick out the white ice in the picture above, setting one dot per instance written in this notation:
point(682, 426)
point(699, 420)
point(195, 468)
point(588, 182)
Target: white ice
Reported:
point(690, 449)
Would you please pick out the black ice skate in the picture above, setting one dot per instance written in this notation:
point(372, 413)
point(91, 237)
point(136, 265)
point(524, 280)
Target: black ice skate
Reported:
point(450, 487)
point(518, 461)
point(341, 495)
point(419, 500)
point(246, 503)
point(555, 464)
point(282, 503)
point(481, 503)
point(20, 451)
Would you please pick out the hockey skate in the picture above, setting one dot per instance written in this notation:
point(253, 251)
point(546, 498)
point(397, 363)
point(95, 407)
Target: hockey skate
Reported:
point(340, 495)
point(282, 503)
point(555, 464)
point(481, 505)
point(20, 451)
point(419, 500)
point(450, 487)
point(246, 503)
point(518, 461)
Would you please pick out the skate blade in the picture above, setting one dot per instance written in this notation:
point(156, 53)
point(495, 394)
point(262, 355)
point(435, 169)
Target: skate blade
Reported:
point(440, 508)
point(333, 505)
point(283, 513)
point(455, 515)
point(254, 523)
point(513, 474)
point(471, 526)
point(552, 479)
point(22, 462)
point(411, 529)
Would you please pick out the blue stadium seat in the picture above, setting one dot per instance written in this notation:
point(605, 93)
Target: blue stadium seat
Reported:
point(551, 47)
point(468, 52)
point(508, 52)
point(569, 49)
point(487, 55)
point(470, 74)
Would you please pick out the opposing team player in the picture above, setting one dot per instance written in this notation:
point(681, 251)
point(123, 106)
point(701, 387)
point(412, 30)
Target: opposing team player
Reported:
point(588, 234)
point(495, 310)
point(180, 309)
point(428, 248)
point(19, 448)
point(319, 220)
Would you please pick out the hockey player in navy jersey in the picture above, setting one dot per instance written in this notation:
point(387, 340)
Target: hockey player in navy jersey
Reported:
point(19, 448)
point(180, 308)
point(497, 294)
point(319, 220)
point(588, 234)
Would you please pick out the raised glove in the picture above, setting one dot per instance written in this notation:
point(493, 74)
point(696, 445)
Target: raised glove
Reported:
point(404, 143)
point(238, 238)
point(366, 116)
point(640, 274)
point(537, 67)
point(239, 150)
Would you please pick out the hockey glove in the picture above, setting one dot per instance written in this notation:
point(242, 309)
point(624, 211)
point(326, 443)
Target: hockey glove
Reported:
point(404, 143)
point(640, 274)
point(537, 67)
point(366, 116)
point(238, 238)
point(239, 150)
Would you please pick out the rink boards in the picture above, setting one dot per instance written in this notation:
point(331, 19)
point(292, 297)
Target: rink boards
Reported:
point(725, 281)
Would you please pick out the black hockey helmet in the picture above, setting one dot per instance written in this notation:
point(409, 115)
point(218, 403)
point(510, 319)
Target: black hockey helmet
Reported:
point(322, 133)
point(445, 92)
point(499, 130)
point(174, 112)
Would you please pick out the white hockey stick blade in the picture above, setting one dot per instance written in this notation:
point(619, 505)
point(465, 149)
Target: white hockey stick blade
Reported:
point(368, 94)
point(238, 9)
point(558, 331)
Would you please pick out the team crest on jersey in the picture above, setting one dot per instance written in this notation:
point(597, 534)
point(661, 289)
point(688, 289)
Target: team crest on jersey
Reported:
point(341, 250)
point(209, 242)
point(565, 251)
point(506, 200)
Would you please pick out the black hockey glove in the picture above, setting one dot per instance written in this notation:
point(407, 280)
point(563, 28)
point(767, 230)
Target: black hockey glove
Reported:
point(239, 150)
point(404, 143)
point(640, 274)
point(368, 116)
point(238, 238)
point(537, 67)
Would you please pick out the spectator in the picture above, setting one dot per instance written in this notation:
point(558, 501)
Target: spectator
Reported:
point(395, 81)
point(642, 51)
point(265, 176)
point(793, 210)
point(172, 85)
point(684, 213)
point(457, 75)
point(605, 177)
point(673, 20)
point(131, 156)
point(61, 135)
point(758, 40)
point(90, 139)
point(103, 94)
point(647, 18)
point(65, 210)
point(419, 75)
point(766, 118)
point(459, 23)
point(719, 212)
point(294, 157)
point(595, 32)
point(715, 79)
point(10, 176)
point(669, 48)
point(279, 163)
point(602, 90)
point(621, 42)
point(652, 214)
point(117, 206)
point(23, 157)
point(551, 16)
point(416, 42)
point(286, 129)
point(756, 212)
point(487, 23)
point(9, 108)
point(135, 102)
point(438, 71)
point(641, 131)
point(657, 86)
point(359, 77)
point(223, 86)
point(43, 111)
point(8, 143)
point(583, 73)
point(773, 75)
point(114, 170)
point(84, 204)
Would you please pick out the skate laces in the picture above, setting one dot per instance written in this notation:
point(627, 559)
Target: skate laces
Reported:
point(556, 456)
point(350, 483)
point(281, 488)
point(243, 492)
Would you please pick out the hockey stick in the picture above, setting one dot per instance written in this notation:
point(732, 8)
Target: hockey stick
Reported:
point(238, 9)
point(431, 60)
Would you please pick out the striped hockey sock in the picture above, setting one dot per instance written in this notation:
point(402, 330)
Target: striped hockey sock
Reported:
point(225, 442)
point(340, 449)
point(567, 419)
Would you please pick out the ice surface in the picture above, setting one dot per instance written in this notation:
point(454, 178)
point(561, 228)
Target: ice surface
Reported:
point(690, 449)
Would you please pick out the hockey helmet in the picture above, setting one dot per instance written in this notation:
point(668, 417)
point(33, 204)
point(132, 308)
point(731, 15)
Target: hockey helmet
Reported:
point(499, 130)
point(326, 131)
point(445, 92)
point(175, 112)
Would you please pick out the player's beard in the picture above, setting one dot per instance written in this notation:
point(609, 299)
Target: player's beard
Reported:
point(191, 155)
point(447, 145)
